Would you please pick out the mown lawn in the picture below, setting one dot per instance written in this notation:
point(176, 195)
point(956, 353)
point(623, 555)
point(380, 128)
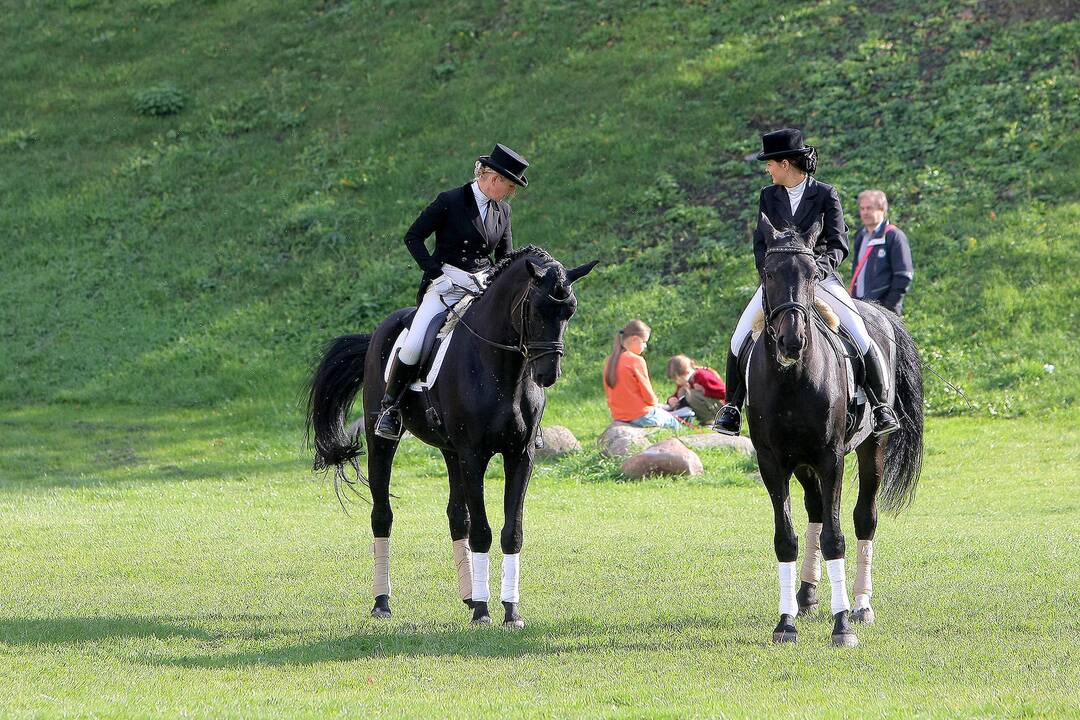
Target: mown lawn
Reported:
point(184, 563)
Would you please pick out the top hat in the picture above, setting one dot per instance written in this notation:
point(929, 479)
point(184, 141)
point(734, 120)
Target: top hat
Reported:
point(507, 163)
point(783, 143)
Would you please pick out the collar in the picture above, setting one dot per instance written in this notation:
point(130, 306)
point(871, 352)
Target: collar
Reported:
point(800, 188)
point(478, 194)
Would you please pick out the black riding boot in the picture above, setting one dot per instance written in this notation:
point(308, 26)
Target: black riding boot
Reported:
point(389, 423)
point(885, 421)
point(729, 420)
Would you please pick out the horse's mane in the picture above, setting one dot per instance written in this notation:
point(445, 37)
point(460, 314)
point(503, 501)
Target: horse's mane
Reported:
point(529, 250)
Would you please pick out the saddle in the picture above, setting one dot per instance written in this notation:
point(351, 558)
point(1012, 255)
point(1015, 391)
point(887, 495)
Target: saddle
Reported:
point(436, 341)
point(843, 346)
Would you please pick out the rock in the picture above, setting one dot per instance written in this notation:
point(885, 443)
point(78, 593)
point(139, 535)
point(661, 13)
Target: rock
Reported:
point(669, 457)
point(716, 440)
point(622, 439)
point(558, 441)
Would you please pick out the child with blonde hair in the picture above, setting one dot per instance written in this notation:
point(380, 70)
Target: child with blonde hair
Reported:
point(699, 391)
point(630, 394)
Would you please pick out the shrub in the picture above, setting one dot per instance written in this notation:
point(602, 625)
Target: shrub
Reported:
point(159, 100)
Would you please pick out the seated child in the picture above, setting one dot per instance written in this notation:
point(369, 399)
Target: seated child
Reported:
point(699, 391)
point(629, 391)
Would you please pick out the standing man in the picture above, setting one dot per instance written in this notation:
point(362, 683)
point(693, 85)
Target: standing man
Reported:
point(882, 257)
point(471, 224)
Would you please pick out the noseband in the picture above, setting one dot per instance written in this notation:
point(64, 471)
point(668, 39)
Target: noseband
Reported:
point(780, 309)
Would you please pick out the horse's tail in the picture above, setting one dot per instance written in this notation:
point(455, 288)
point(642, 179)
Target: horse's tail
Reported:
point(334, 385)
point(904, 453)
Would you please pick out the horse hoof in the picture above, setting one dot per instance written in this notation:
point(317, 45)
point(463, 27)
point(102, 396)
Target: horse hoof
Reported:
point(864, 616)
point(481, 616)
point(781, 637)
point(845, 640)
point(482, 620)
point(516, 624)
point(807, 609)
point(381, 611)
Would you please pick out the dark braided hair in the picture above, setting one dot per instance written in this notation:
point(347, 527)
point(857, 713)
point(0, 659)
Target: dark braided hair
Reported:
point(807, 162)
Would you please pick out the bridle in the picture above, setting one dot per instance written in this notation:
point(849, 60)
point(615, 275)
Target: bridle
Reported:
point(772, 314)
point(531, 350)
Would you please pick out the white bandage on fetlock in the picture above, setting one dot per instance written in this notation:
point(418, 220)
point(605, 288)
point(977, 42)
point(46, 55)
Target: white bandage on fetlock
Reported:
point(835, 568)
point(788, 604)
point(381, 580)
point(863, 587)
point(463, 565)
point(811, 563)
point(480, 590)
point(510, 566)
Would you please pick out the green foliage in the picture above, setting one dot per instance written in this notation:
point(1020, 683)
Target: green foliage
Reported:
point(159, 100)
point(202, 257)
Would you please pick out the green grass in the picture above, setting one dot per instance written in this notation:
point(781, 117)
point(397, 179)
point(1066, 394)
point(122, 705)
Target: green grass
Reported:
point(181, 562)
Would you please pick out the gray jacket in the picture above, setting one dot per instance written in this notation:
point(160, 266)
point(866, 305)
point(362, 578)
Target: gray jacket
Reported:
point(888, 272)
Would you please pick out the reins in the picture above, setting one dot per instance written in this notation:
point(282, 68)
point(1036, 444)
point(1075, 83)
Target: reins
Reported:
point(530, 350)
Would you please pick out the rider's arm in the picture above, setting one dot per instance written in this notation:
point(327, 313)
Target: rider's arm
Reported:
point(834, 230)
point(433, 216)
point(903, 272)
point(759, 236)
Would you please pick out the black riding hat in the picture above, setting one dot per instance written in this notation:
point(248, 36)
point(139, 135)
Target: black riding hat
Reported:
point(507, 163)
point(783, 143)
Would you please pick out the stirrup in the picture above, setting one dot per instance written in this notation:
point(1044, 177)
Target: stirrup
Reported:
point(388, 426)
point(885, 421)
point(728, 421)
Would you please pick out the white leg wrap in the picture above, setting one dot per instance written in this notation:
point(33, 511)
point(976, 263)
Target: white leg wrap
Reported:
point(463, 563)
point(788, 604)
point(863, 588)
point(811, 564)
point(381, 582)
point(510, 567)
point(835, 569)
point(480, 591)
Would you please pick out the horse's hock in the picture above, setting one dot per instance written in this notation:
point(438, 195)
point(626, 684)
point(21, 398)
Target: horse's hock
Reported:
point(669, 457)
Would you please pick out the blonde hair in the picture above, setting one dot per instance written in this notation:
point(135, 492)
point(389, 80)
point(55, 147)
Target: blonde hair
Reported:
point(633, 328)
point(679, 365)
point(877, 197)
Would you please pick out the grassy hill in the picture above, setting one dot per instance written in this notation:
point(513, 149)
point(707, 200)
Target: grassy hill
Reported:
point(201, 257)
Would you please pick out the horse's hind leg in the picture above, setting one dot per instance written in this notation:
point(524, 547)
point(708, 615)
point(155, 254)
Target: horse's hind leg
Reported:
point(785, 542)
point(871, 456)
point(810, 574)
point(380, 459)
point(457, 511)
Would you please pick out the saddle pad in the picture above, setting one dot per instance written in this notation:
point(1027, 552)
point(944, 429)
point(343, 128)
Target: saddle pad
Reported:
point(430, 366)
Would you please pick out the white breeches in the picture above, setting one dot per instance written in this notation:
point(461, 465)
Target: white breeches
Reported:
point(445, 290)
point(833, 293)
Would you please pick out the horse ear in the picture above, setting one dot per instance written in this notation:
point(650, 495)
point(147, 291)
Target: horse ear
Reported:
point(767, 229)
point(534, 269)
point(580, 271)
point(813, 233)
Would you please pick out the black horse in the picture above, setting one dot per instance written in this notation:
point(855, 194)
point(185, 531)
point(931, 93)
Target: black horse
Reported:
point(489, 398)
point(798, 403)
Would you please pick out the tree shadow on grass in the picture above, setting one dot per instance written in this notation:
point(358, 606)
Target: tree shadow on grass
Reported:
point(74, 630)
point(384, 640)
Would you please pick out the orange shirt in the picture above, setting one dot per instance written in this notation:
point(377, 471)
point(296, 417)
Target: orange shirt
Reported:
point(633, 394)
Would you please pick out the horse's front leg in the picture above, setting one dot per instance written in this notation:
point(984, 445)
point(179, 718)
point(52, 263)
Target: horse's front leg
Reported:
point(777, 481)
point(871, 456)
point(380, 460)
point(457, 512)
point(518, 469)
point(831, 473)
point(473, 466)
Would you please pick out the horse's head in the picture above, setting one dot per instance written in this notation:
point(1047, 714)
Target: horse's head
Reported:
point(790, 276)
point(546, 308)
